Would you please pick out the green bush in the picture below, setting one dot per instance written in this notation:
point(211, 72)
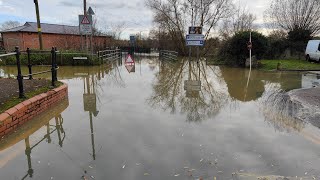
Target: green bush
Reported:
point(276, 48)
point(235, 52)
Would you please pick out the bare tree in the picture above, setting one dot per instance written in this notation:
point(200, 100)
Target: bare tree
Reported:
point(292, 15)
point(241, 20)
point(174, 16)
point(9, 25)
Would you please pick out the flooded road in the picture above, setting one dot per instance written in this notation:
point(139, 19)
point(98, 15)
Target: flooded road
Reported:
point(164, 120)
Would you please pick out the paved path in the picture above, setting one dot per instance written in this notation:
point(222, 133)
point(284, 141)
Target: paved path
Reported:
point(9, 87)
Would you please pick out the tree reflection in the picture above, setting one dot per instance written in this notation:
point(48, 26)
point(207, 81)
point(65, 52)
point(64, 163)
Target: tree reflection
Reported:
point(169, 92)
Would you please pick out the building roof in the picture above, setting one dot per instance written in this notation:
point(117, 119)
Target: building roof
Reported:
point(45, 28)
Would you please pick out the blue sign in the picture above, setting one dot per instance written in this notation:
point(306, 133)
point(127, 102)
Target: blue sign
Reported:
point(132, 40)
point(195, 43)
point(195, 37)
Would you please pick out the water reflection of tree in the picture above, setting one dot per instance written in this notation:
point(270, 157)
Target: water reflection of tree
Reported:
point(279, 110)
point(168, 92)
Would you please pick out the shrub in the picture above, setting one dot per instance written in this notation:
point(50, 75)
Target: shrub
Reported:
point(234, 51)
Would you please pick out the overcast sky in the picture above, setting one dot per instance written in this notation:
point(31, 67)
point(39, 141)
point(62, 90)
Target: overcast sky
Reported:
point(136, 16)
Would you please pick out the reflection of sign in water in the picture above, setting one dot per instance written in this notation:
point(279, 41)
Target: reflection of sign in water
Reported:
point(90, 102)
point(131, 68)
point(192, 88)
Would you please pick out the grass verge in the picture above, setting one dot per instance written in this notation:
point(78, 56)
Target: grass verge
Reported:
point(16, 100)
point(289, 65)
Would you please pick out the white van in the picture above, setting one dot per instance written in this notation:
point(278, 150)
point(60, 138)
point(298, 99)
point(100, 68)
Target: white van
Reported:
point(313, 50)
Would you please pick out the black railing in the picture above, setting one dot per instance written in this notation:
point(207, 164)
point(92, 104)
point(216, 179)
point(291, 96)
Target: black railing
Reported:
point(20, 76)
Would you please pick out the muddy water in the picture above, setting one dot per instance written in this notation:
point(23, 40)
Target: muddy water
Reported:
point(163, 120)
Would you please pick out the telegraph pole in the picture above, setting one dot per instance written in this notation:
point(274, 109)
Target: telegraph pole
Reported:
point(85, 15)
point(85, 7)
point(39, 24)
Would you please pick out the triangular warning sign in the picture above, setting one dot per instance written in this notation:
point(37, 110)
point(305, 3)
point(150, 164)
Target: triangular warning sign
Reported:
point(129, 60)
point(85, 20)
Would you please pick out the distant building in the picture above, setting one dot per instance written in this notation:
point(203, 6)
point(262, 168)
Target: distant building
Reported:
point(60, 36)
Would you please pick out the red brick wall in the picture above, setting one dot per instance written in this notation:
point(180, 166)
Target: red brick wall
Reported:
point(25, 111)
point(61, 41)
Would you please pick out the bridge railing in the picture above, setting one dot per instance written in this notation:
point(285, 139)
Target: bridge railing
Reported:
point(109, 54)
point(20, 76)
point(171, 55)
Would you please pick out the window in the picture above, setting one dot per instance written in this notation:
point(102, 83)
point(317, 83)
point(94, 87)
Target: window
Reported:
point(319, 48)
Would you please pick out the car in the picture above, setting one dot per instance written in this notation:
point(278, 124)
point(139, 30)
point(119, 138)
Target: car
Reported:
point(313, 50)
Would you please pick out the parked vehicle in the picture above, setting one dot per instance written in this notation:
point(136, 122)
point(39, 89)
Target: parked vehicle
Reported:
point(313, 50)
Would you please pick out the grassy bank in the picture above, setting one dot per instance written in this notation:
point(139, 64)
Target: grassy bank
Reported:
point(16, 100)
point(289, 65)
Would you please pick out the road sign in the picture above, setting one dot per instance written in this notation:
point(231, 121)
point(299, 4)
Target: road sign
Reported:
point(249, 45)
point(85, 24)
point(132, 40)
point(195, 43)
point(195, 37)
point(129, 60)
point(195, 30)
point(90, 11)
point(85, 20)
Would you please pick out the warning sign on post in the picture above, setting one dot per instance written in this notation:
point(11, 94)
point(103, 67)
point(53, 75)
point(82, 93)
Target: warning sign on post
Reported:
point(85, 24)
point(129, 60)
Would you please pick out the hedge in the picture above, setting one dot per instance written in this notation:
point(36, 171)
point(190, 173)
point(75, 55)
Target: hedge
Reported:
point(63, 59)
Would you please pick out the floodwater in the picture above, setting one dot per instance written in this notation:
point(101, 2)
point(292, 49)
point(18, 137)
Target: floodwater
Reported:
point(164, 120)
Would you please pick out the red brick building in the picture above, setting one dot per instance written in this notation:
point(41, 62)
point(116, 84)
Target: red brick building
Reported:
point(60, 36)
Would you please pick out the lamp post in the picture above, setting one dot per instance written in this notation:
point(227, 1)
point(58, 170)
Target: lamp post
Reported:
point(39, 24)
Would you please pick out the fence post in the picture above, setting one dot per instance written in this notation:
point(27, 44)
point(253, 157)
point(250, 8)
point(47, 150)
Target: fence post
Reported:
point(52, 67)
point(29, 64)
point(19, 77)
point(55, 64)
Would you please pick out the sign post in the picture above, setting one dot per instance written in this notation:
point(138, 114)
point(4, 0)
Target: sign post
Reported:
point(85, 24)
point(195, 38)
point(250, 49)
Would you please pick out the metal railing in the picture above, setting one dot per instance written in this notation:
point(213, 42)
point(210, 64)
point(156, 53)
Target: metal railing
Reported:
point(109, 54)
point(20, 76)
point(165, 54)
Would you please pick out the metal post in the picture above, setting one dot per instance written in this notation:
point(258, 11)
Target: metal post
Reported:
point(52, 67)
point(29, 64)
point(250, 51)
point(39, 24)
point(55, 64)
point(19, 77)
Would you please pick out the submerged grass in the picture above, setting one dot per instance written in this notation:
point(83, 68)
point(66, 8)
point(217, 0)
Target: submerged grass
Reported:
point(289, 65)
point(16, 100)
